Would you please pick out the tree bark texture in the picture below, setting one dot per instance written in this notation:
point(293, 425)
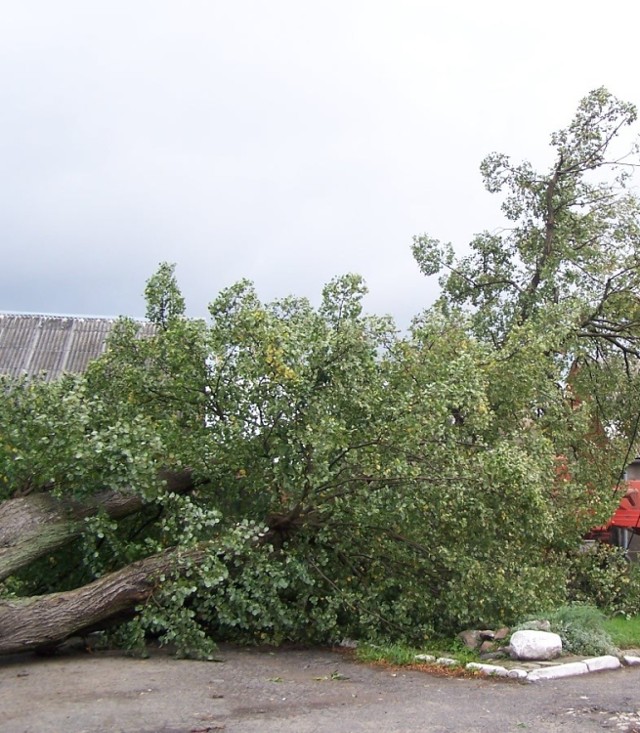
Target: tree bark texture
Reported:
point(45, 621)
point(33, 526)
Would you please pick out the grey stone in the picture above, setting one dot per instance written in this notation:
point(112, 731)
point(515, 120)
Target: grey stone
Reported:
point(470, 638)
point(447, 661)
point(536, 625)
point(490, 669)
point(518, 674)
point(348, 644)
point(499, 654)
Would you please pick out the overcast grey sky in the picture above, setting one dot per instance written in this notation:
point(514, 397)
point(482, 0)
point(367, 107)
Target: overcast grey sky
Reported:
point(286, 141)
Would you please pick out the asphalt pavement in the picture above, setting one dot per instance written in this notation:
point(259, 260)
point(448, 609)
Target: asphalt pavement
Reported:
point(296, 691)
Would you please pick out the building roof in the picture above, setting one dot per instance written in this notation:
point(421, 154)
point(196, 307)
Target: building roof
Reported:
point(36, 344)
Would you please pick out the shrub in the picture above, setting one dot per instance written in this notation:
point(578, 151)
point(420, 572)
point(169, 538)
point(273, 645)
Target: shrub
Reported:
point(581, 628)
point(602, 576)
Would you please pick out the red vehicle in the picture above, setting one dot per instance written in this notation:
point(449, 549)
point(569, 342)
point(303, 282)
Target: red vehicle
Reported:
point(623, 529)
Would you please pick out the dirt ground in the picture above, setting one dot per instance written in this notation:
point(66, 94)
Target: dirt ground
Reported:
point(295, 691)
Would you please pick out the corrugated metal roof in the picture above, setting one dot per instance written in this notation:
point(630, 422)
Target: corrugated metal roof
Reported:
point(33, 344)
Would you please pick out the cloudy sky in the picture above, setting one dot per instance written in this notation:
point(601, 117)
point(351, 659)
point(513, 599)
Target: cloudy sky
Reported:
point(286, 141)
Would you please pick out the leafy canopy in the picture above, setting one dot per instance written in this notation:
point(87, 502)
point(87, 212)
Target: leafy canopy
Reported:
point(350, 481)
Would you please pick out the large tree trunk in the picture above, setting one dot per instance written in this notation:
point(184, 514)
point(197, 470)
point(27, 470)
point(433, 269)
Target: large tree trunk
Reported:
point(35, 525)
point(38, 524)
point(46, 621)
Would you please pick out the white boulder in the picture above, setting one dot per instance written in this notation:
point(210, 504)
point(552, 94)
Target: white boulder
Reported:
point(535, 645)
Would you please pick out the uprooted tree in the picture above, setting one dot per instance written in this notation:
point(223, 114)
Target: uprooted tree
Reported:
point(289, 472)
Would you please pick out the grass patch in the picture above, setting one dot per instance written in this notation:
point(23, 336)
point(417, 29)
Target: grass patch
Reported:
point(390, 654)
point(624, 631)
point(401, 656)
point(398, 656)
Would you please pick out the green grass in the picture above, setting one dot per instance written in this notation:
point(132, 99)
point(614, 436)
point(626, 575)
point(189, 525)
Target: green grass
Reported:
point(624, 631)
point(389, 653)
point(401, 655)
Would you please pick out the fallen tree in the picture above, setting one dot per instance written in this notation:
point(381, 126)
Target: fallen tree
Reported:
point(43, 622)
point(342, 481)
point(39, 524)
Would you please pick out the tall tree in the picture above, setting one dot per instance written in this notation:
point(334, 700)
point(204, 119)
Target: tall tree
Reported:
point(567, 264)
point(572, 241)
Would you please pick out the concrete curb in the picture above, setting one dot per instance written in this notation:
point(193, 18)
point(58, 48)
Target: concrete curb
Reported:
point(561, 670)
point(556, 671)
point(596, 664)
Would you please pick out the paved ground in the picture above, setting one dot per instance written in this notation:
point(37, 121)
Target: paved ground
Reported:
point(296, 692)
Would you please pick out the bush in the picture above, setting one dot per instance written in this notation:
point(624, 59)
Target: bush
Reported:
point(602, 576)
point(581, 628)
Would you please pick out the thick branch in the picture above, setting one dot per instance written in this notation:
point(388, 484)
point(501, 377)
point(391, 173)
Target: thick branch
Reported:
point(33, 526)
point(45, 621)
point(549, 236)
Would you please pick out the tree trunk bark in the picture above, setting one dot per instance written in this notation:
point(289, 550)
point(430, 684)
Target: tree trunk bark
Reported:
point(45, 621)
point(35, 525)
